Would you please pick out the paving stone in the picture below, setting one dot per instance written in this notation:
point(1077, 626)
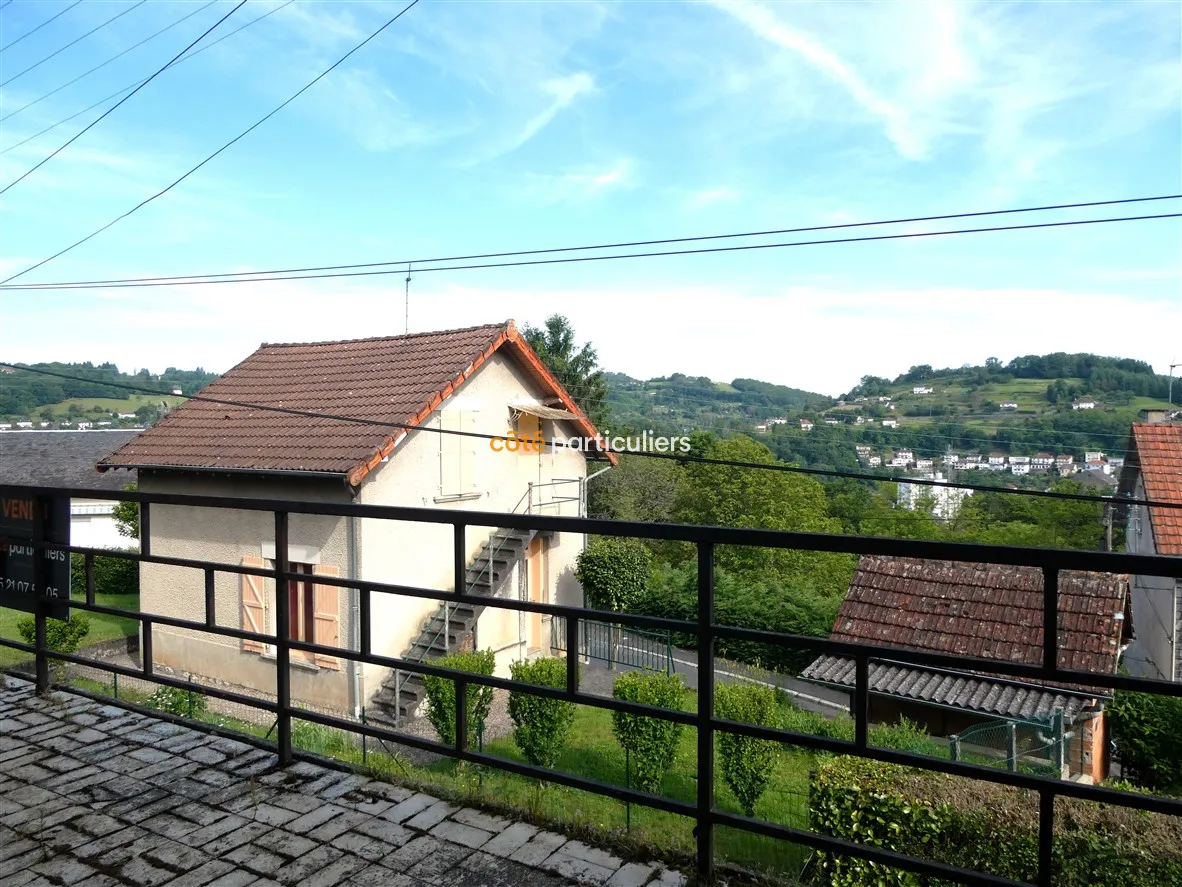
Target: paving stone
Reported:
point(340, 824)
point(365, 846)
point(202, 814)
point(380, 876)
point(168, 826)
point(99, 880)
point(538, 848)
point(256, 859)
point(579, 850)
point(434, 867)
point(430, 817)
point(108, 842)
point(412, 806)
point(317, 816)
point(285, 843)
point(480, 820)
point(96, 824)
point(393, 793)
point(63, 870)
point(387, 832)
point(199, 838)
point(143, 873)
point(175, 856)
point(511, 839)
point(300, 870)
point(204, 874)
point(272, 815)
point(233, 839)
point(482, 870)
point(458, 833)
point(236, 878)
point(16, 846)
point(633, 874)
point(670, 878)
point(577, 869)
point(336, 872)
point(23, 861)
point(296, 802)
point(203, 754)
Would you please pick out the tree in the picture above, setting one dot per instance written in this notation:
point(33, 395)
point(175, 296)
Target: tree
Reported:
point(576, 368)
point(614, 572)
point(127, 516)
point(747, 762)
point(651, 742)
point(747, 496)
point(639, 488)
point(542, 725)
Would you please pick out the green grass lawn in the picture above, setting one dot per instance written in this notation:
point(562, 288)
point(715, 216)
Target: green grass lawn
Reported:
point(102, 627)
point(114, 404)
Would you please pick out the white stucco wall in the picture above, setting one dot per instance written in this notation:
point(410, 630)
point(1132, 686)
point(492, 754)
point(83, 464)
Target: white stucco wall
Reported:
point(421, 555)
point(1154, 653)
point(93, 526)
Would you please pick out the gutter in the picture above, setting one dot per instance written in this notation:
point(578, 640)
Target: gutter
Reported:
point(199, 469)
point(355, 667)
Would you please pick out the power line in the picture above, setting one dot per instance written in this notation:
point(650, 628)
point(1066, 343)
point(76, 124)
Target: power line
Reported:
point(246, 276)
point(228, 144)
point(39, 27)
point(72, 42)
point(108, 61)
point(113, 95)
point(676, 457)
point(114, 107)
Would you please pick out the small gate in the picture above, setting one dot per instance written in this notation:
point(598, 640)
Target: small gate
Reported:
point(1029, 746)
point(614, 645)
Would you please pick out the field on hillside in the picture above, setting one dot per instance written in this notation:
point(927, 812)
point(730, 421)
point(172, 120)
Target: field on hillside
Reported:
point(112, 404)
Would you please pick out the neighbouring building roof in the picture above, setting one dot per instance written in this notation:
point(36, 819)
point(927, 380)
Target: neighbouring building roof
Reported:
point(987, 611)
point(61, 458)
point(1155, 452)
point(396, 379)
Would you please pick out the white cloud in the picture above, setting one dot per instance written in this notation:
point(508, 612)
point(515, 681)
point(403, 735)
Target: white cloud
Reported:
point(817, 337)
point(579, 184)
point(707, 197)
point(562, 91)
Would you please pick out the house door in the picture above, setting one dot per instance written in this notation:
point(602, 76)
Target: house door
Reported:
point(536, 588)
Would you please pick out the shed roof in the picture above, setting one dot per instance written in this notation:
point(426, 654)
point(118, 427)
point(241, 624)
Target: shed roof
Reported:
point(61, 458)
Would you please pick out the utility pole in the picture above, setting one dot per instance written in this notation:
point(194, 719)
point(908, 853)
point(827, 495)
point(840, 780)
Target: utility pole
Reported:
point(1170, 397)
point(1108, 527)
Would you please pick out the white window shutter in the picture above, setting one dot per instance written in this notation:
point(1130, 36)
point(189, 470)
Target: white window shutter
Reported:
point(254, 609)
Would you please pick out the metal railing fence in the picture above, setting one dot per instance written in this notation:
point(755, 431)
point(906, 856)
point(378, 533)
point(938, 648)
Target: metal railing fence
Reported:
point(705, 540)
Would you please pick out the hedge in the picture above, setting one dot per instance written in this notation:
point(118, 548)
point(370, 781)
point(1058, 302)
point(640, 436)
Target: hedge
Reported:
point(1147, 732)
point(541, 725)
point(112, 575)
point(651, 742)
point(441, 695)
point(747, 762)
point(614, 572)
point(960, 822)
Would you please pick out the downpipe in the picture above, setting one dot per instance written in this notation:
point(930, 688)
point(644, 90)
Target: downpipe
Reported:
point(355, 667)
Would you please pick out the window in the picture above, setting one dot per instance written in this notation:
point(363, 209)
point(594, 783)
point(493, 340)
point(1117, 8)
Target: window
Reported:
point(301, 597)
point(457, 453)
point(314, 608)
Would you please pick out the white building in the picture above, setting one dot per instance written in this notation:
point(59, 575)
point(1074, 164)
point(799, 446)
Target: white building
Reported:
point(997, 458)
point(942, 501)
point(874, 461)
point(923, 464)
point(1083, 404)
point(920, 389)
point(1009, 405)
point(1042, 460)
point(806, 424)
point(1093, 456)
point(890, 423)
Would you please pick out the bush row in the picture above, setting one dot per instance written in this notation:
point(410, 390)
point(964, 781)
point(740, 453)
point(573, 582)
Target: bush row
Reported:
point(959, 822)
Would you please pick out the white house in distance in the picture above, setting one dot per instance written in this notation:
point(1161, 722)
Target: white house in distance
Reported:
point(484, 380)
point(1009, 405)
point(920, 389)
point(806, 424)
point(1153, 471)
point(1084, 404)
point(66, 459)
point(890, 423)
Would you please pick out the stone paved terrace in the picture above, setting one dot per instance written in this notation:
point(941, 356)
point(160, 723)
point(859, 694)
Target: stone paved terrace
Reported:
point(93, 795)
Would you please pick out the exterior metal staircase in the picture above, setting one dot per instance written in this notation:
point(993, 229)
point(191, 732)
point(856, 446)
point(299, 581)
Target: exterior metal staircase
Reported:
point(452, 626)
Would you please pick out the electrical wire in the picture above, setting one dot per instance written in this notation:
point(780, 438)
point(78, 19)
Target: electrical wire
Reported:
point(108, 61)
point(568, 261)
point(676, 457)
point(115, 107)
point(72, 42)
point(228, 144)
point(114, 95)
point(247, 275)
point(39, 27)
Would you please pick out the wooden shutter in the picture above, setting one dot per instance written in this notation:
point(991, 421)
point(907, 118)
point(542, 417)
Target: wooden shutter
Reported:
point(326, 615)
point(254, 609)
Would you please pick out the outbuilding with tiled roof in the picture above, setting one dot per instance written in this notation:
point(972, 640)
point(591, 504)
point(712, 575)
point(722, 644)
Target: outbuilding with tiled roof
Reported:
point(984, 611)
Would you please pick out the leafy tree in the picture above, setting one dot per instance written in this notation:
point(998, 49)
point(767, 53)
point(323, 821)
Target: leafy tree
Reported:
point(614, 572)
point(747, 761)
point(651, 742)
point(127, 516)
point(1147, 732)
point(542, 725)
point(576, 368)
point(742, 496)
point(60, 636)
point(639, 488)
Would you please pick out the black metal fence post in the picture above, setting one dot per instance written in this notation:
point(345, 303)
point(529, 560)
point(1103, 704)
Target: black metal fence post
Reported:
point(282, 636)
point(41, 598)
point(705, 826)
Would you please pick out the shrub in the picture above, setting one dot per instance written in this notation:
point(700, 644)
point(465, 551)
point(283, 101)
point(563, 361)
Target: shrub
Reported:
point(112, 575)
point(175, 701)
point(441, 694)
point(934, 816)
point(747, 762)
point(60, 636)
point(1147, 733)
point(651, 742)
point(542, 725)
point(614, 572)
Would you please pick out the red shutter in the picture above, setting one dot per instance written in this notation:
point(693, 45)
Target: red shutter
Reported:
point(326, 615)
point(254, 610)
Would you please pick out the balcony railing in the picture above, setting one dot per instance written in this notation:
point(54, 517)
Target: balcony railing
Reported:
point(705, 540)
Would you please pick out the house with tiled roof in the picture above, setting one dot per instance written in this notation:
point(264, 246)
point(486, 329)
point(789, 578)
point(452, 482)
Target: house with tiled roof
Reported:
point(429, 420)
point(986, 611)
point(1152, 471)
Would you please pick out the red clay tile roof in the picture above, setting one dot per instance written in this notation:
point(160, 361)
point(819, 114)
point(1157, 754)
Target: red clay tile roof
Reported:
point(988, 611)
point(395, 379)
point(1157, 452)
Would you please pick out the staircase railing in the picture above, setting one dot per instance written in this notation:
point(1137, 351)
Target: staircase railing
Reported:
point(449, 609)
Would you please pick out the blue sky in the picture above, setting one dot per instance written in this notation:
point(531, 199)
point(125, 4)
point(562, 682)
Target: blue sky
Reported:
point(479, 127)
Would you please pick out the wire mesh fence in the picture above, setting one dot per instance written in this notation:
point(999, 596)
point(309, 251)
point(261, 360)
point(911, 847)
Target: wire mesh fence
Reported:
point(1034, 747)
